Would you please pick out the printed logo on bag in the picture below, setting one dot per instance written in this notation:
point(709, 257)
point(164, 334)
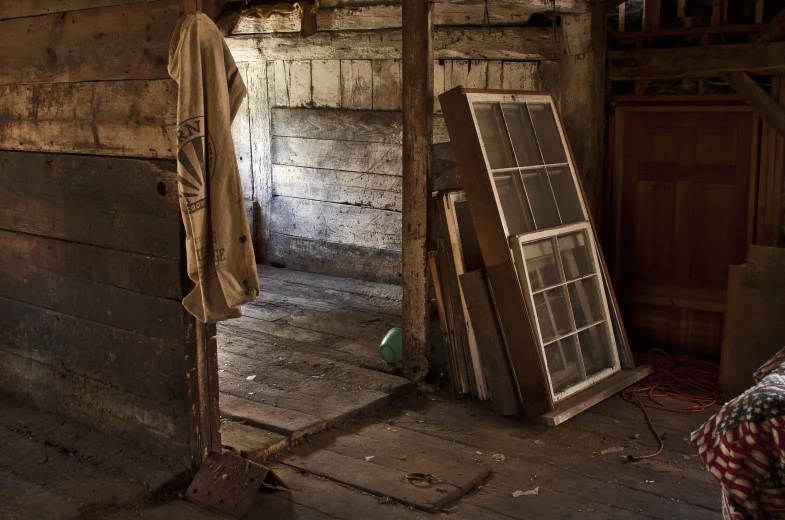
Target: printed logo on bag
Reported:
point(195, 153)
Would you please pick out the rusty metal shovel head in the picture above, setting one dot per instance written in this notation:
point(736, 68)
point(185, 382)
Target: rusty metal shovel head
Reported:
point(229, 484)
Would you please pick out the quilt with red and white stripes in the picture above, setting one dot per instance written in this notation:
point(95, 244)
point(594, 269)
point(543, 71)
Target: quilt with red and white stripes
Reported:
point(743, 446)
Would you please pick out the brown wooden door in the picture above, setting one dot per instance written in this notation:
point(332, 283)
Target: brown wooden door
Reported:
point(683, 219)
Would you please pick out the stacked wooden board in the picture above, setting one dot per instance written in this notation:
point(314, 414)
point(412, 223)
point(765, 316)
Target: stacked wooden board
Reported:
point(476, 354)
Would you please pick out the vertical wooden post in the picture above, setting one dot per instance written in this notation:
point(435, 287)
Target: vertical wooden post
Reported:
point(417, 136)
point(201, 358)
point(651, 14)
point(583, 99)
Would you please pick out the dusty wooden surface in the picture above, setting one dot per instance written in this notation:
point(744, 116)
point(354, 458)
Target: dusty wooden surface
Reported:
point(389, 16)
point(499, 43)
point(57, 469)
point(302, 358)
point(450, 437)
point(91, 325)
point(133, 118)
point(565, 464)
point(52, 48)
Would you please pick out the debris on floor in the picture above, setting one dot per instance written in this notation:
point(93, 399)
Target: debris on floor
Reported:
point(519, 493)
point(230, 484)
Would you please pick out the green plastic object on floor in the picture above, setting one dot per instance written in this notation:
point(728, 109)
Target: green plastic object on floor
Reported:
point(391, 348)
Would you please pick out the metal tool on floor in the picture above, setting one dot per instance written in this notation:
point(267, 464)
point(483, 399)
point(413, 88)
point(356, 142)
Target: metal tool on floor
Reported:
point(229, 484)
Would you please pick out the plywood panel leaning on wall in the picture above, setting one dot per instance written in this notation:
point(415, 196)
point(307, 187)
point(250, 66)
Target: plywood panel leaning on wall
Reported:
point(546, 272)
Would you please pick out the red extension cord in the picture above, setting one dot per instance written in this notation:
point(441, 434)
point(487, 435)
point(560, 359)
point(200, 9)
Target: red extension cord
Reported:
point(683, 378)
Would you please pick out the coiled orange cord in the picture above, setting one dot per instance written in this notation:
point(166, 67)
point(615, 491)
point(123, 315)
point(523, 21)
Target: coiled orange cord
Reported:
point(683, 378)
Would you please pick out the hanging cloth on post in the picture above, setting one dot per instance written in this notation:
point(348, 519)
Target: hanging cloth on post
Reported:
point(218, 242)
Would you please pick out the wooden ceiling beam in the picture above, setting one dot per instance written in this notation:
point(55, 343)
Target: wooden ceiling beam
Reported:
point(496, 43)
point(532, 6)
point(758, 98)
point(697, 62)
point(775, 30)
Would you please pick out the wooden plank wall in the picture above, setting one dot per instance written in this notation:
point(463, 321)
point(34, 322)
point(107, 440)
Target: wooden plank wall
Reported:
point(332, 177)
point(91, 324)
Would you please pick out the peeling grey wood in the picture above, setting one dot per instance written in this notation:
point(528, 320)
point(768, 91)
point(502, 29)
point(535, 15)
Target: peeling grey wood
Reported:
point(259, 112)
point(300, 83)
point(341, 187)
point(465, 73)
point(341, 223)
point(386, 84)
point(439, 84)
point(494, 74)
point(326, 83)
point(336, 124)
point(508, 43)
point(337, 155)
point(519, 75)
point(356, 84)
point(282, 82)
point(320, 256)
point(241, 137)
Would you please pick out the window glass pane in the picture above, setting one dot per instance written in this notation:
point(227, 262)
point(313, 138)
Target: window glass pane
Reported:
point(470, 247)
point(541, 264)
point(563, 364)
point(585, 301)
point(595, 349)
point(522, 135)
point(552, 313)
point(540, 198)
point(566, 193)
point(547, 133)
point(513, 201)
point(575, 256)
point(494, 136)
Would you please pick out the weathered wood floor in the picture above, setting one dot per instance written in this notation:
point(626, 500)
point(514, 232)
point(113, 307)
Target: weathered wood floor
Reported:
point(304, 357)
point(566, 465)
point(311, 343)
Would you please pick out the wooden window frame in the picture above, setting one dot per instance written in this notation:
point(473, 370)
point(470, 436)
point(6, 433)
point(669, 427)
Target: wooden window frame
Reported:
point(518, 331)
point(517, 98)
point(517, 243)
